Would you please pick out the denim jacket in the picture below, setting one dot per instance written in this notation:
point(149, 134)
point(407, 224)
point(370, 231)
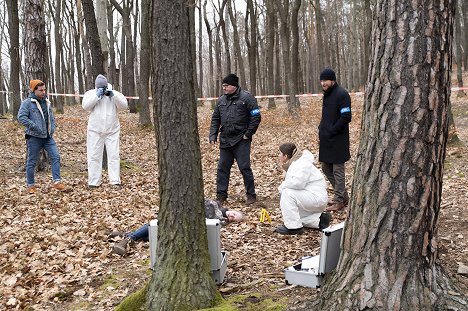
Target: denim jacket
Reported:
point(31, 116)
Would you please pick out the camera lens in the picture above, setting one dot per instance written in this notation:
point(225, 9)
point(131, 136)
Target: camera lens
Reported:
point(107, 93)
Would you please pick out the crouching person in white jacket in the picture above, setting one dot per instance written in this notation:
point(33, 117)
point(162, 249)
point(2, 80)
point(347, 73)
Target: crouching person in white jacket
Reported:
point(303, 192)
point(103, 103)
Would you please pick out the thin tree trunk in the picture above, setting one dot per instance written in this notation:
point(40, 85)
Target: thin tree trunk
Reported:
point(113, 76)
point(200, 51)
point(145, 66)
point(211, 85)
point(15, 61)
point(251, 42)
point(59, 87)
point(270, 48)
point(181, 279)
point(97, 58)
point(237, 46)
point(86, 51)
point(459, 52)
point(101, 23)
point(389, 247)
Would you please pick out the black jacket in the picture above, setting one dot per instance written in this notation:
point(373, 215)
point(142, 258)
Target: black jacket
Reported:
point(334, 126)
point(234, 116)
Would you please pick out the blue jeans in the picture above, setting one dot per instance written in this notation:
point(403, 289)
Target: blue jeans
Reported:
point(141, 233)
point(35, 145)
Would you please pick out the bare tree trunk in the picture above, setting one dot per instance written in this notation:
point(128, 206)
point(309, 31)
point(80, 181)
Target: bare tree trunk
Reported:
point(59, 87)
point(389, 247)
point(15, 61)
point(79, 68)
point(290, 88)
point(320, 42)
point(237, 46)
point(459, 52)
point(200, 52)
point(113, 76)
point(279, 78)
point(93, 39)
point(211, 85)
point(295, 69)
point(101, 23)
point(251, 42)
point(129, 72)
point(145, 66)
point(86, 51)
point(35, 52)
point(193, 44)
point(270, 47)
point(182, 278)
point(465, 31)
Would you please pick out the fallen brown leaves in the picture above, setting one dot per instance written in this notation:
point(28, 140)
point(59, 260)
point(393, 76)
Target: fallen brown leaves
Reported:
point(54, 254)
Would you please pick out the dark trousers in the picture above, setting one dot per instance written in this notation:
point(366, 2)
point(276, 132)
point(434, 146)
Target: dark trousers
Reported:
point(335, 174)
point(241, 153)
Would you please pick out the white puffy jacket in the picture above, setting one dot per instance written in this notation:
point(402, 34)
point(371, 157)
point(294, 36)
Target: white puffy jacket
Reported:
point(104, 110)
point(303, 175)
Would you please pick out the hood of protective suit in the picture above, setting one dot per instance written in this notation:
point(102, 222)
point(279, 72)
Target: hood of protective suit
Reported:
point(303, 175)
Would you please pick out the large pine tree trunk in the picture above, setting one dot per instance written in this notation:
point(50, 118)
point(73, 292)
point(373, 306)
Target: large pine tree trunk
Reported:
point(35, 51)
point(182, 278)
point(389, 248)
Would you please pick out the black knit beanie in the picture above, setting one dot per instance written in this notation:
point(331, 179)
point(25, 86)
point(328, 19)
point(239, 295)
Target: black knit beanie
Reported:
point(327, 74)
point(231, 79)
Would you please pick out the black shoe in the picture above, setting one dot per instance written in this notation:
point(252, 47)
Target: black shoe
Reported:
point(221, 199)
point(325, 219)
point(250, 199)
point(284, 230)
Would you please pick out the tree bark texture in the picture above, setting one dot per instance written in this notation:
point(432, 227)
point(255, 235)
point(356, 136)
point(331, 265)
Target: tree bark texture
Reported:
point(389, 247)
point(251, 42)
point(34, 41)
point(182, 278)
point(15, 62)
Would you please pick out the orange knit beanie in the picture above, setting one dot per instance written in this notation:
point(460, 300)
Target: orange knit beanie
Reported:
point(33, 84)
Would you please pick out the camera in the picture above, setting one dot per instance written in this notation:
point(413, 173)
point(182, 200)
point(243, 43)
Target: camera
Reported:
point(107, 92)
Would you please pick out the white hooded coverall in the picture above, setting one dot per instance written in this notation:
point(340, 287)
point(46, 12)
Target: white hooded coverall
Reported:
point(103, 129)
point(303, 193)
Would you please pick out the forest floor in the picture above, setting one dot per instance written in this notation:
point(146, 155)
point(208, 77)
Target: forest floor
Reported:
point(54, 252)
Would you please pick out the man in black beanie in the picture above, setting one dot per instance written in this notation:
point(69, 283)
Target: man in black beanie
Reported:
point(334, 137)
point(236, 118)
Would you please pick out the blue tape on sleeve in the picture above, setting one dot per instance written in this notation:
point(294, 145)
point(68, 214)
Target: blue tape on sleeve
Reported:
point(255, 112)
point(345, 109)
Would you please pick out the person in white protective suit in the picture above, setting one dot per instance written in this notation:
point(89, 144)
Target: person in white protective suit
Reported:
point(103, 103)
point(303, 192)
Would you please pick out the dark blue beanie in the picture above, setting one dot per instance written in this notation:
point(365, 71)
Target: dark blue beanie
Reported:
point(327, 74)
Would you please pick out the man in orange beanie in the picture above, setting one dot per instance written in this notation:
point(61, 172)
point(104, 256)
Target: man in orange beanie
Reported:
point(37, 116)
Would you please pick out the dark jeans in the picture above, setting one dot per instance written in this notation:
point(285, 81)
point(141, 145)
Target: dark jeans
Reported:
point(241, 153)
point(336, 176)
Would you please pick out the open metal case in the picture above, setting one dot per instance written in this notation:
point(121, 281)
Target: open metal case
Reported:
point(218, 258)
point(311, 270)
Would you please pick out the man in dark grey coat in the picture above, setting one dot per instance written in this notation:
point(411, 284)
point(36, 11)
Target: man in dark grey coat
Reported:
point(236, 117)
point(334, 137)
